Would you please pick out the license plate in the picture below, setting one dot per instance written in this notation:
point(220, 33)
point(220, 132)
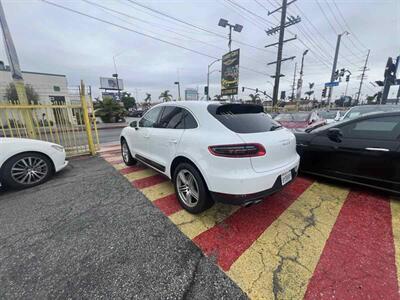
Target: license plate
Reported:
point(286, 177)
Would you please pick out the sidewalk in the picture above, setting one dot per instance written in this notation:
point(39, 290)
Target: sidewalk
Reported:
point(88, 234)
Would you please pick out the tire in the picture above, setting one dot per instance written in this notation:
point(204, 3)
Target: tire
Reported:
point(128, 159)
point(186, 190)
point(27, 170)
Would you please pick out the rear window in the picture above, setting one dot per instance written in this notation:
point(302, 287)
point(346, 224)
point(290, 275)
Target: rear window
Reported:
point(243, 118)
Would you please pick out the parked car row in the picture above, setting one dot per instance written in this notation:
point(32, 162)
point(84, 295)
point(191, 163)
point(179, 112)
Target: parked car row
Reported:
point(236, 153)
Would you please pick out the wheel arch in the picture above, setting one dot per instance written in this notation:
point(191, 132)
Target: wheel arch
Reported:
point(183, 159)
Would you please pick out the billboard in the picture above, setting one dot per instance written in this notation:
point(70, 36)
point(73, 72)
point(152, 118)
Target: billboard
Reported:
point(230, 73)
point(191, 94)
point(108, 83)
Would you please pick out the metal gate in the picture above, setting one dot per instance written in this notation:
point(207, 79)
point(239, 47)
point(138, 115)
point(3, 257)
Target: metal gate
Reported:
point(71, 123)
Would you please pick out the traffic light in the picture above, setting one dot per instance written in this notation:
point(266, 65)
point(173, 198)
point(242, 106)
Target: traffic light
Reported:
point(336, 75)
point(324, 93)
point(347, 78)
point(342, 72)
point(243, 89)
point(206, 90)
point(256, 91)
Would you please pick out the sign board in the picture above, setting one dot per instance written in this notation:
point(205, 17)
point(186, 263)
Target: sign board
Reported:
point(230, 73)
point(331, 84)
point(393, 91)
point(110, 83)
point(191, 94)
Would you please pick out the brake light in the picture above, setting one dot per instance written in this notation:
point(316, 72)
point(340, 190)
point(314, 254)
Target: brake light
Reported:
point(238, 150)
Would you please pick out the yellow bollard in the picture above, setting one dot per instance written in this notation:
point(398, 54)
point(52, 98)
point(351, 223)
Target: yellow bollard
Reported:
point(26, 115)
point(86, 120)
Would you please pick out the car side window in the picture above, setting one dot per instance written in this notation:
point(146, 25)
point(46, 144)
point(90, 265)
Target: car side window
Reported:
point(150, 118)
point(189, 121)
point(382, 128)
point(171, 118)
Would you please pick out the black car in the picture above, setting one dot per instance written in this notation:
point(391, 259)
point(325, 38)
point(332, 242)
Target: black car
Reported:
point(363, 150)
point(136, 113)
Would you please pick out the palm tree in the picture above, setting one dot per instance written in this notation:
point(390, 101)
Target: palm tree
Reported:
point(165, 96)
point(109, 110)
point(148, 98)
point(255, 98)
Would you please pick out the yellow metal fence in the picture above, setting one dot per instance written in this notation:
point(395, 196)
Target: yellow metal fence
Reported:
point(70, 125)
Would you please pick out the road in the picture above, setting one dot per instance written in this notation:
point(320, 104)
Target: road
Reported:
point(87, 234)
point(109, 135)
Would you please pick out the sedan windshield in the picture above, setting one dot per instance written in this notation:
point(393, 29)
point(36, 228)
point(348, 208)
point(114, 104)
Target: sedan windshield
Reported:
point(296, 117)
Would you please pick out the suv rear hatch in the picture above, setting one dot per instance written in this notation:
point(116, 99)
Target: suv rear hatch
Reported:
point(252, 125)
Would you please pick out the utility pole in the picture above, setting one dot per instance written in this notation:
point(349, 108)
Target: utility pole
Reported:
point(363, 75)
point(16, 74)
point(294, 80)
point(300, 82)
point(335, 64)
point(281, 28)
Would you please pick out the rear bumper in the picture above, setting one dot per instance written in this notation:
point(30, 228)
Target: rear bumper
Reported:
point(244, 199)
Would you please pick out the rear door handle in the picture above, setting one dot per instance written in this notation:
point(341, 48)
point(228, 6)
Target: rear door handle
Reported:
point(173, 141)
point(378, 149)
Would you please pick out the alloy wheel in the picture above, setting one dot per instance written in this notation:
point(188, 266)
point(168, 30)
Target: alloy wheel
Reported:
point(187, 187)
point(29, 170)
point(125, 152)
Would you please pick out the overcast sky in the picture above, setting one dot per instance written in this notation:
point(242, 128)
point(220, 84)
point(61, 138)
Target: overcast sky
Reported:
point(53, 40)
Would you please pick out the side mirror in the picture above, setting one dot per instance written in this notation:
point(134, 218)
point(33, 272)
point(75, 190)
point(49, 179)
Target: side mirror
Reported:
point(335, 134)
point(133, 124)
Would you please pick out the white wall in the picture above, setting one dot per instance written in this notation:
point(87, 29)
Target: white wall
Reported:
point(42, 83)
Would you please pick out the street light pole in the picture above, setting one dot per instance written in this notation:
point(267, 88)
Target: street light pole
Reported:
point(300, 82)
point(335, 64)
point(208, 78)
point(179, 90)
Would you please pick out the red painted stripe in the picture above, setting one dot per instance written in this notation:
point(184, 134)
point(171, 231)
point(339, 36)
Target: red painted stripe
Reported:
point(131, 169)
point(149, 181)
point(168, 204)
point(229, 239)
point(358, 261)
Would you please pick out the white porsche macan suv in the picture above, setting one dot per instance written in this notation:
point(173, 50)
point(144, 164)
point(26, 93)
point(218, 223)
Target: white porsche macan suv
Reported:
point(212, 151)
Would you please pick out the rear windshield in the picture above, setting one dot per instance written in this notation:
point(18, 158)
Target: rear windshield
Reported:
point(243, 118)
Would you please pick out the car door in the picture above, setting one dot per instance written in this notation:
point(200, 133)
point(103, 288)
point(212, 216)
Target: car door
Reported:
point(142, 133)
point(370, 150)
point(165, 137)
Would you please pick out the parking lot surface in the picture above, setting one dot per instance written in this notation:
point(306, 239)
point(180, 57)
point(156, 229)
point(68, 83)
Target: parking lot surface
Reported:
point(313, 240)
point(87, 234)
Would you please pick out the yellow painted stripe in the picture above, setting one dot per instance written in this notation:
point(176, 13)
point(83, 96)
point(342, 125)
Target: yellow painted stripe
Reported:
point(282, 260)
point(158, 191)
point(119, 166)
point(395, 205)
point(193, 225)
point(140, 174)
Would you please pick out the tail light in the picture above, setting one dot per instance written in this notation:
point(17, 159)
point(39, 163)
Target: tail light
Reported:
point(238, 150)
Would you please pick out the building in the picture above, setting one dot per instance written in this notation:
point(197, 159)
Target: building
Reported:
point(191, 94)
point(52, 89)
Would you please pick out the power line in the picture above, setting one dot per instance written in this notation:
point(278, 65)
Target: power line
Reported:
point(175, 32)
point(141, 33)
point(236, 10)
point(347, 25)
point(250, 12)
point(343, 29)
point(192, 25)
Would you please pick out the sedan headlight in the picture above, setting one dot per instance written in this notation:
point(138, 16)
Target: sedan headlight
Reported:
point(58, 148)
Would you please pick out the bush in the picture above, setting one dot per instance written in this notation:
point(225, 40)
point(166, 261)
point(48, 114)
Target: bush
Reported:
point(14, 124)
point(45, 123)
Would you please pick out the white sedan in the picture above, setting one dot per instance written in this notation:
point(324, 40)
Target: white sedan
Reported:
point(25, 162)
point(231, 153)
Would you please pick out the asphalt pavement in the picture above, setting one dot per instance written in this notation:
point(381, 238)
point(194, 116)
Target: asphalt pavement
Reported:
point(88, 234)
